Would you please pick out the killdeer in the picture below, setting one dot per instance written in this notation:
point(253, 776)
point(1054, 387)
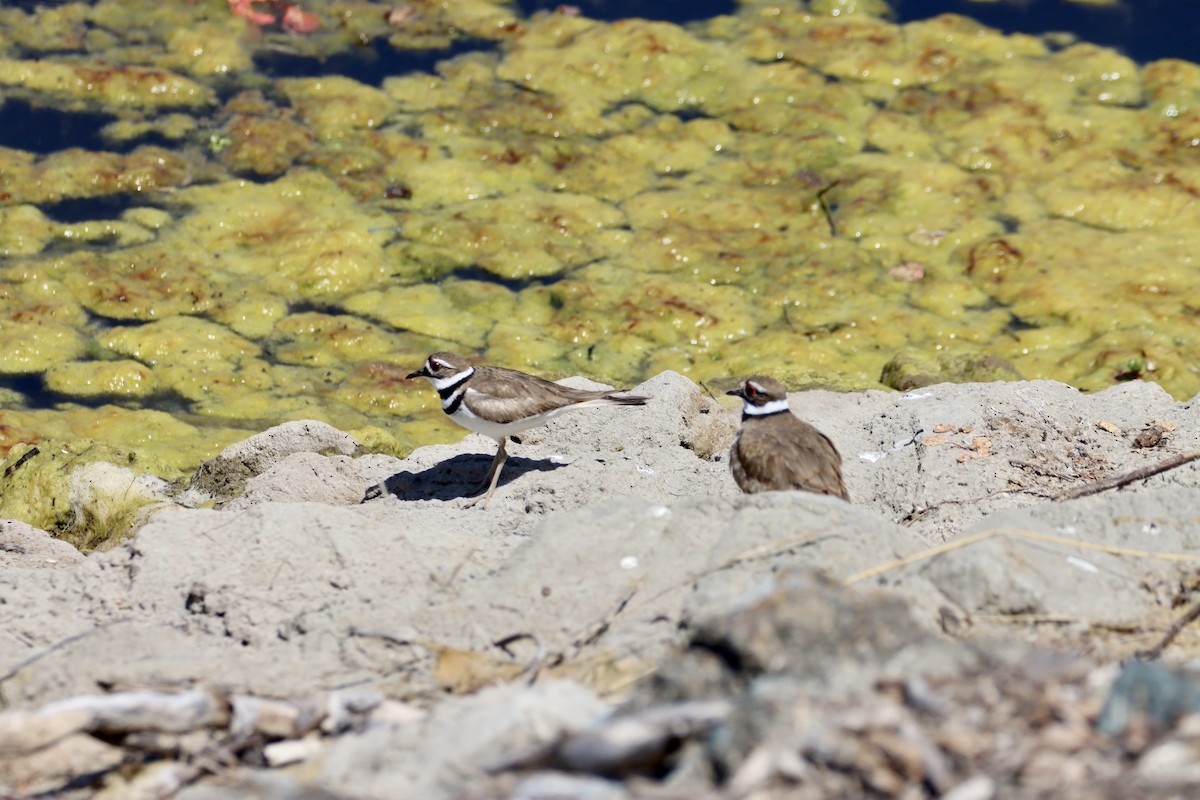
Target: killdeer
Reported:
point(775, 450)
point(499, 402)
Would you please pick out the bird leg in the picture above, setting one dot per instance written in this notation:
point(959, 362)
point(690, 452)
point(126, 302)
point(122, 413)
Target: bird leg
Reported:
point(492, 477)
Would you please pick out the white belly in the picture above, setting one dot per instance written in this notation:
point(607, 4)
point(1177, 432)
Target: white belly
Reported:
point(496, 430)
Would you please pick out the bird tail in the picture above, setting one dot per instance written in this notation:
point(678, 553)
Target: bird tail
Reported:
point(628, 400)
point(612, 400)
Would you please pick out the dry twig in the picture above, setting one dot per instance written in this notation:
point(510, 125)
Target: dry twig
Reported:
point(1129, 477)
point(1176, 628)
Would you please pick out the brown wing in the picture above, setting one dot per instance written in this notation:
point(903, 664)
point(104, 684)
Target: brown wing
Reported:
point(782, 453)
point(513, 395)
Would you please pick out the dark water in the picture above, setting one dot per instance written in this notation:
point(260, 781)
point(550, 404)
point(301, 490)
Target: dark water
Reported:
point(1144, 30)
point(370, 65)
point(678, 11)
point(39, 129)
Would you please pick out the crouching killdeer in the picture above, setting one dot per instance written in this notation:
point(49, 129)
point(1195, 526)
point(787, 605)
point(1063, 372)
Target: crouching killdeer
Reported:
point(499, 402)
point(775, 450)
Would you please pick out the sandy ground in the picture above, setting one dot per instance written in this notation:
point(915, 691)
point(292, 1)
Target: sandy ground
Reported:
point(618, 574)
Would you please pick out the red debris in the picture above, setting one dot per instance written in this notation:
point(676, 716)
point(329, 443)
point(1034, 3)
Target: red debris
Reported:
point(297, 20)
point(294, 18)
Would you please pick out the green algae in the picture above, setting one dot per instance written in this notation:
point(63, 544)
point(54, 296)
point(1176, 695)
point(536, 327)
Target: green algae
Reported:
point(914, 370)
point(143, 282)
point(455, 311)
point(173, 127)
point(496, 234)
point(335, 106)
point(30, 346)
point(24, 231)
point(212, 48)
point(297, 237)
point(170, 444)
point(262, 145)
point(75, 173)
point(82, 85)
point(86, 492)
point(90, 379)
point(810, 191)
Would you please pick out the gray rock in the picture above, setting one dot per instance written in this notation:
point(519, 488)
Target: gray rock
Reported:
point(226, 475)
point(642, 451)
point(1046, 560)
point(915, 459)
point(315, 478)
point(617, 544)
point(248, 785)
point(26, 547)
point(439, 756)
point(561, 786)
point(1148, 695)
point(793, 647)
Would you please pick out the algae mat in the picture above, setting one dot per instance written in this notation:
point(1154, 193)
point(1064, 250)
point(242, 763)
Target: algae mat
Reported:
point(811, 191)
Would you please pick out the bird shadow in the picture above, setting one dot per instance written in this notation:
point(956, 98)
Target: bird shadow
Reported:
point(456, 477)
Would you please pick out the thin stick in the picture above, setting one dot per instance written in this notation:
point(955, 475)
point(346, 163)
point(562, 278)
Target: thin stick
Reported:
point(1128, 477)
point(825, 209)
point(1058, 619)
point(1176, 628)
point(48, 650)
point(28, 454)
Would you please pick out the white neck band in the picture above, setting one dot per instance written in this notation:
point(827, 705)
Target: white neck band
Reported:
point(769, 407)
point(442, 383)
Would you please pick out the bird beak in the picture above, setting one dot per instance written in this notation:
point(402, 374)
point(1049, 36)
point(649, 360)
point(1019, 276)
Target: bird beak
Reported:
point(736, 392)
point(423, 372)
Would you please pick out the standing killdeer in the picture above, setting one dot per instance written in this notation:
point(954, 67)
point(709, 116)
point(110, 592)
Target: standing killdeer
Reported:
point(499, 402)
point(775, 450)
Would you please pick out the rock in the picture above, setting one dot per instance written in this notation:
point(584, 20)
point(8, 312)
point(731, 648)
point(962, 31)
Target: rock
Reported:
point(27, 547)
point(641, 451)
point(1071, 559)
point(312, 477)
point(456, 744)
point(226, 475)
point(678, 414)
point(915, 370)
point(110, 502)
point(618, 560)
point(980, 787)
point(941, 458)
point(559, 786)
point(1171, 763)
point(52, 768)
point(249, 785)
point(798, 637)
point(1148, 695)
point(638, 743)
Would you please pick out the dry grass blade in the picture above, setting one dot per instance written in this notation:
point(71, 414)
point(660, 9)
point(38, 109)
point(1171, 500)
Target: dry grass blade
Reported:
point(1016, 533)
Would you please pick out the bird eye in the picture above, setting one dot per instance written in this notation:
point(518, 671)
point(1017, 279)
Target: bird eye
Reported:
point(750, 391)
point(433, 362)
